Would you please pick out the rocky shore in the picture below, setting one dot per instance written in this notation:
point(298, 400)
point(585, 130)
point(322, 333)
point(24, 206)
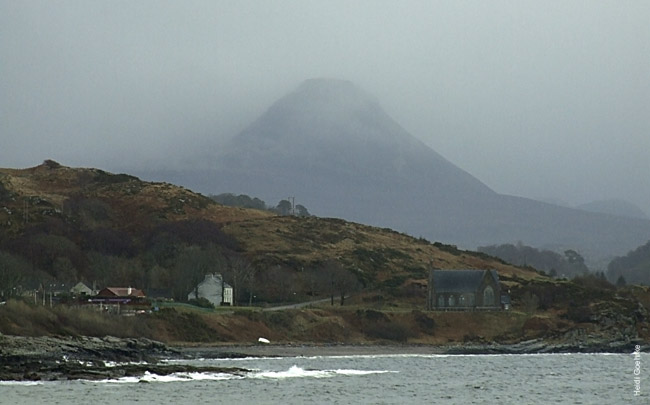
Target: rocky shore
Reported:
point(92, 358)
point(540, 346)
point(89, 358)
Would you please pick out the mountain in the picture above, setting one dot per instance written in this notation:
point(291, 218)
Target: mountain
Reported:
point(332, 146)
point(614, 207)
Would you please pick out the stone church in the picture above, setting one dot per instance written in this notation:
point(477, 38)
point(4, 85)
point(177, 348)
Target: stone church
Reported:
point(463, 290)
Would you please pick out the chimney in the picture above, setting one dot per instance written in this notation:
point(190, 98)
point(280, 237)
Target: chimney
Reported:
point(128, 291)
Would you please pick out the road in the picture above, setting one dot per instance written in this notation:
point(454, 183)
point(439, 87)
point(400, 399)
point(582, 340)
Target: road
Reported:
point(298, 305)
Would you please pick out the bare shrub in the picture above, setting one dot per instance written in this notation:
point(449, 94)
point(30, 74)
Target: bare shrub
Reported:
point(424, 322)
point(529, 302)
point(397, 331)
point(20, 318)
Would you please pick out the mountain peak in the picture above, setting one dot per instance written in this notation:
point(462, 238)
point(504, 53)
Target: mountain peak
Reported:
point(327, 130)
point(322, 111)
point(326, 99)
point(325, 82)
point(332, 89)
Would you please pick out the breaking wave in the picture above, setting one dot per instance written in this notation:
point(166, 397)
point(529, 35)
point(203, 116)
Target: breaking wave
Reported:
point(299, 372)
point(175, 377)
point(292, 372)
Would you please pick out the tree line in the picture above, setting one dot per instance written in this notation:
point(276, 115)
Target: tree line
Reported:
point(633, 268)
point(170, 259)
point(568, 265)
point(284, 207)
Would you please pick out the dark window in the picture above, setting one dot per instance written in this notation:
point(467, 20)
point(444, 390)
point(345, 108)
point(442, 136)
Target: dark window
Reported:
point(488, 296)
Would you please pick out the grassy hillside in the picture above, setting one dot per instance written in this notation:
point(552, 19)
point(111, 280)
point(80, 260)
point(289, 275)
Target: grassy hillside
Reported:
point(60, 224)
point(71, 222)
point(92, 198)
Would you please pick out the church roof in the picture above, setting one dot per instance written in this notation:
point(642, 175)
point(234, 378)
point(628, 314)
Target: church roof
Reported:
point(460, 281)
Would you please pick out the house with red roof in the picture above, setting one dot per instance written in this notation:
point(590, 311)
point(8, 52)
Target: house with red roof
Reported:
point(121, 300)
point(121, 292)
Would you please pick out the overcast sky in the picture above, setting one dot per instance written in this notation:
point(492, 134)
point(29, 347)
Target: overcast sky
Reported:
point(534, 98)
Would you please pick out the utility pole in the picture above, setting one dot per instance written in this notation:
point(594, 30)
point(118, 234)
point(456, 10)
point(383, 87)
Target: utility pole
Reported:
point(430, 287)
point(26, 210)
point(292, 200)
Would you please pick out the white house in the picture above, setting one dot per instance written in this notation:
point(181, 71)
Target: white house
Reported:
point(81, 289)
point(214, 289)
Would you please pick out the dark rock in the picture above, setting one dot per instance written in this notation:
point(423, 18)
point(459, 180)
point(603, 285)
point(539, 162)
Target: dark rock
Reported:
point(52, 358)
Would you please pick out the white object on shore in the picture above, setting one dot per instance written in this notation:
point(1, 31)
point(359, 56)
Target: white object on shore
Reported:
point(263, 340)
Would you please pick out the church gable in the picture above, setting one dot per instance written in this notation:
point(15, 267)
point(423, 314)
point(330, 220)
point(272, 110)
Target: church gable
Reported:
point(464, 290)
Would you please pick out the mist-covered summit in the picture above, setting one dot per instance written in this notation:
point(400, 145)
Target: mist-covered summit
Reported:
point(322, 112)
point(330, 145)
point(327, 101)
point(331, 127)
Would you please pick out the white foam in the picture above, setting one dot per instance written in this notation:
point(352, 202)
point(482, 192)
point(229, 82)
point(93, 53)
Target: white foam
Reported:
point(117, 364)
point(298, 372)
point(236, 359)
point(175, 377)
point(293, 372)
point(362, 372)
point(26, 383)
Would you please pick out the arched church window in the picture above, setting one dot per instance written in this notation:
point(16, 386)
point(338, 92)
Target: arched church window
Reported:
point(488, 296)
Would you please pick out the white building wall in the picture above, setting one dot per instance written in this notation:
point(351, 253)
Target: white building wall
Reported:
point(209, 288)
point(227, 295)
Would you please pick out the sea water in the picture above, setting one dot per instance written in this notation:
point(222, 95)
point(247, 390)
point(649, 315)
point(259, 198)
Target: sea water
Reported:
point(368, 379)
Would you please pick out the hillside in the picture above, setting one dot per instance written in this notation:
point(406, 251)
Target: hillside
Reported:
point(92, 198)
point(332, 146)
point(614, 207)
point(62, 225)
point(634, 267)
point(82, 219)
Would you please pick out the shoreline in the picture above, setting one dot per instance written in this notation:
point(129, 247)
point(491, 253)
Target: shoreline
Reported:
point(535, 346)
point(93, 358)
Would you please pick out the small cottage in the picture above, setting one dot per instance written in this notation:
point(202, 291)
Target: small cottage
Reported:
point(214, 289)
point(81, 289)
point(120, 300)
point(464, 290)
point(121, 292)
